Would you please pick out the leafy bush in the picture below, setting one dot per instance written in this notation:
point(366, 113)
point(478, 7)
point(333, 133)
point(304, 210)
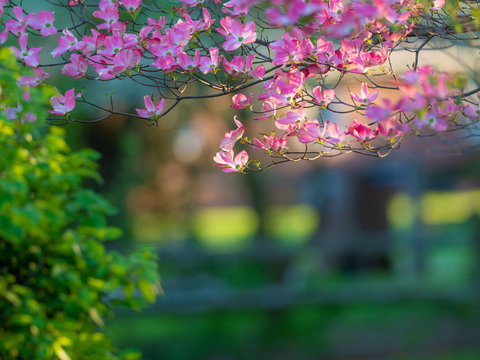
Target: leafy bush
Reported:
point(57, 281)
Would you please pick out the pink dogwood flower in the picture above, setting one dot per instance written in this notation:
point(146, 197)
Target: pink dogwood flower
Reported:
point(4, 36)
point(291, 120)
point(290, 49)
point(76, 68)
point(437, 5)
point(44, 22)
point(110, 15)
point(230, 163)
point(239, 65)
point(311, 131)
point(132, 40)
point(12, 113)
point(186, 62)
point(238, 7)
point(366, 96)
point(127, 59)
point(151, 111)
point(63, 104)
point(19, 26)
point(111, 45)
point(271, 143)
point(157, 24)
point(240, 101)
point(105, 4)
point(435, 117)
point(30, 56)
point(207, 64)
point(392, 127)
point(65, 43)
point(35, 80)
point(236, 34)
point(131, 5)
point(323, 98)
point(2, 4)
point(231, 137)
point(334, 136)
point(361, 131)
point(472, 112)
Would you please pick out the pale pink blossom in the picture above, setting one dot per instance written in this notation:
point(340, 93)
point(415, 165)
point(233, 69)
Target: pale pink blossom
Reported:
point(290, 49)
point(76, 68)
point(105, 4)
point(2, 4)
point(236, 34)
point(63, 104)
point(167, 63)
point(323, 98)
point(110, 15)
point(269, 109)
point(380, 113)
point(65, 43)
point(35, 80)
point(366, 96)
point(127, 59)
point(12, 113)
point(230, 163)
point(19, 26)
point(111, 45)
point(231, 137)
point(334, 136)
point(437, 5)
point(151, 110)
point(311, 131)
point(102, 66)
point(132, 40)
point(291, 119)
point(238, 7)
point(186, 62)
point(207, 64)
point(392, 127)
point(4, 36)
point(30, 56)
point(240, 101)
point(238, 65)
point(157, 24)
point(131, 5)
point(44, 22)
point(472, 112)
point(271, 143)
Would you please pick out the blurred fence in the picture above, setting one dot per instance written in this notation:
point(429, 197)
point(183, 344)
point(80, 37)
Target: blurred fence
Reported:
point(380, 267)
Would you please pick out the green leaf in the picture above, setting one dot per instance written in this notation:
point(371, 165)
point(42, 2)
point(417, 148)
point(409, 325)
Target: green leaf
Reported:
point(147, 290)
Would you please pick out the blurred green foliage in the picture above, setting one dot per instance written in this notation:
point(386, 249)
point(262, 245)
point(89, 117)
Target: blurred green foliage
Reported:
point(395, 331)
point(57, 281)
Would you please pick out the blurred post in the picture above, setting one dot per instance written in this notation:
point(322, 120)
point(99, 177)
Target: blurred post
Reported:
point(416, 186)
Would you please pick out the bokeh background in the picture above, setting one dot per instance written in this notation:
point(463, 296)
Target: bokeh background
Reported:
point(350, 257)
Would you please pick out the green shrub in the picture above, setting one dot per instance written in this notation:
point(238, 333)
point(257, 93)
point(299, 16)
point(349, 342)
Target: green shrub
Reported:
point(57, 281)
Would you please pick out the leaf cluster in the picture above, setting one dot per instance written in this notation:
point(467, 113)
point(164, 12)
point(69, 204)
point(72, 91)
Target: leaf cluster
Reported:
point(57, 280)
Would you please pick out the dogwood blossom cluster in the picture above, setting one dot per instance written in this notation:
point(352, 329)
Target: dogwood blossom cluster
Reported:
point(294, 55)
